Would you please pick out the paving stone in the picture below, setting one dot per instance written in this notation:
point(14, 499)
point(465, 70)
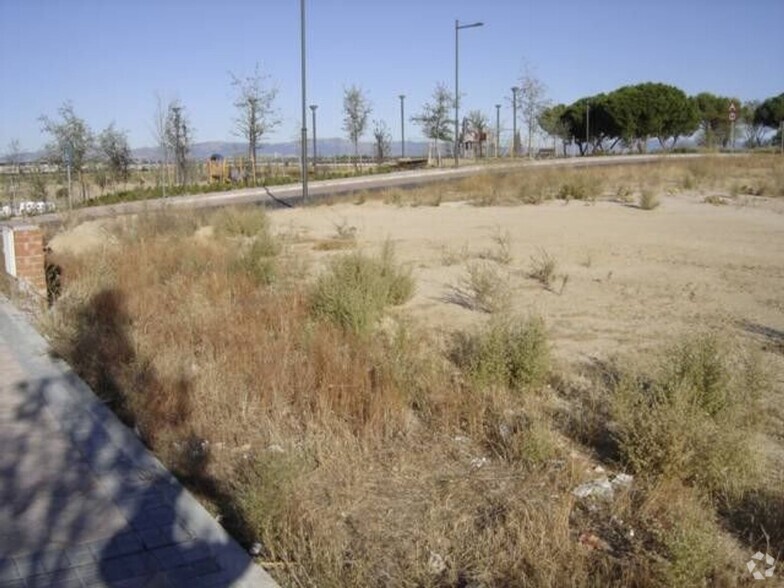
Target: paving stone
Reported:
point(82, 502)
point(8, 570)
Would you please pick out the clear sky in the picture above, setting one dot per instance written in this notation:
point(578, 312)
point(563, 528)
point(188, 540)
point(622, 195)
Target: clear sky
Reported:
point(111, 57)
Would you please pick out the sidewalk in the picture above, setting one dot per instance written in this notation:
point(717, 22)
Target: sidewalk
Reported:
point(82, 502)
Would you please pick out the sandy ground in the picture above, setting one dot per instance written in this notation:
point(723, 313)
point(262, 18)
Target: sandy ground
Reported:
point(636, 278)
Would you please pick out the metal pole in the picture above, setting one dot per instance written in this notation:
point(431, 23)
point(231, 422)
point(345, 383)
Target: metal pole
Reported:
point(457, 89)
point(514, 121)
point(313, 108)
point(732, 136)
point(458, 26)
point(587, 126)
point(497, 128)
point(304, 139)
point(68, 172)
point(781, 135)
point(402, 127)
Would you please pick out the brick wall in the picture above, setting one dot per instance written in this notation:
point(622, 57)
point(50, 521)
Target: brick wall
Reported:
point(28, 247)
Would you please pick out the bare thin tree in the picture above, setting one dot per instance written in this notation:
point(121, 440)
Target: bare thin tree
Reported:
point(435, 118)
point(72, 141)
point(533, 101)
point(115, 152)
point(383, 140)
point(478, 124)
point(13, 157)
point(159, 134)
point(178, 138)
point(256, 112)
point(356, 110)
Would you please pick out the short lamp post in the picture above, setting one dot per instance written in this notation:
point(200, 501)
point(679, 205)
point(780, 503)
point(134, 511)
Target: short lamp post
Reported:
point(458, 28)
point(515, 89)
point(313, 108)
point(497, 129)
point(402, 126)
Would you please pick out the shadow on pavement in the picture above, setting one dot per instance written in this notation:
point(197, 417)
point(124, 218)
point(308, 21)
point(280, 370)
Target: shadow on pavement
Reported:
point(83, 503)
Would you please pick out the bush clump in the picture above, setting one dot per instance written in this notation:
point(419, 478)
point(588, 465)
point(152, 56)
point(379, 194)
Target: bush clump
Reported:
point(356, 288)
point(233, 222)
point(512, 353)
point(692, 420)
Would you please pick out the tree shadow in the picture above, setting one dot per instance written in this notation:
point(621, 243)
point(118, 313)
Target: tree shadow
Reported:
point(82, 501)
point(757, 519)
point(772, 339)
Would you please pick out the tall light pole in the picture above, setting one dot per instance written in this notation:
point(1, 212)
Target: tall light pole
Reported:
point(402, 127)
point(587, 126)
point(497, 128)
point(313, 108)
point(458, 28)
point(515, 89)
point(304, 138)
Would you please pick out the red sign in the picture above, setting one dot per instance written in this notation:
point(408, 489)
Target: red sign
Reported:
point(732, 111)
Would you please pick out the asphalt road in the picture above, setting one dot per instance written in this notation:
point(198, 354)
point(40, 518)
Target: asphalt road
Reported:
point(292, 195)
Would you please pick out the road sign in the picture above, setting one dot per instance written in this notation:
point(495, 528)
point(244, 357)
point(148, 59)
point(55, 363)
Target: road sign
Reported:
point(733, 114)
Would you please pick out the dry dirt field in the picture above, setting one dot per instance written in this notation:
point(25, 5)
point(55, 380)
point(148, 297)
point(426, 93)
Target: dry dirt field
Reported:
point(635, 278)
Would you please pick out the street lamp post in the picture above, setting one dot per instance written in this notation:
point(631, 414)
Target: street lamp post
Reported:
point(587, 126)
point(402, 127)
point(515, 89)
point(458, 28)
point(497, 128)
point(304, 138)
point(313, 108)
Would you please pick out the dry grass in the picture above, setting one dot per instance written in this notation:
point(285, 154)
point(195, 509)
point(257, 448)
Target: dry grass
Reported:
point(755, 175)
point(362, 451)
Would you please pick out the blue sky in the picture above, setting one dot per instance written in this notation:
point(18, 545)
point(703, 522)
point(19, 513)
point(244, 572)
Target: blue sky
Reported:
point(111, 57)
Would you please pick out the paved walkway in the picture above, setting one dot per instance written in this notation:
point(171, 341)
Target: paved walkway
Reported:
point(82, 502)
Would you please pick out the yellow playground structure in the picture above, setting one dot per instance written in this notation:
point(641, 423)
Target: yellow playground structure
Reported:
point(224, 171)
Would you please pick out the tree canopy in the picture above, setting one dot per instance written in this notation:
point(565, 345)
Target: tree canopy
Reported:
point(631, 114)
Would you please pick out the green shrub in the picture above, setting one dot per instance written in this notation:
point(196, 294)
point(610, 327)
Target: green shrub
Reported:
point(234, 222)
point(356, 288)
point(543, 266)
point(581, 186)
point(483, 288)
point(692, 420)
point(508, 352)
point(258, 260)
point(648, 199)
point(684, 526)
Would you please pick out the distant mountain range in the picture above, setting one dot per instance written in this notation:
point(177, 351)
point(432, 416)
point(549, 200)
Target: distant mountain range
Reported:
point(290, 149)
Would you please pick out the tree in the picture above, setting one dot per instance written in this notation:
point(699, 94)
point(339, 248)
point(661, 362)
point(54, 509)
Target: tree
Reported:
point(434, 118)
point(115, 151)
point(159, 133)
point(713, 118)
point(478, 123)
point(256, 113)
point(753, 130)
point(356, 109)
point(551, 123)
point(71, 142)
point(532, 100)
point(383, 140)
point(178, 140)
point(771, 112)
point(13, 157)
point(596, 113)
